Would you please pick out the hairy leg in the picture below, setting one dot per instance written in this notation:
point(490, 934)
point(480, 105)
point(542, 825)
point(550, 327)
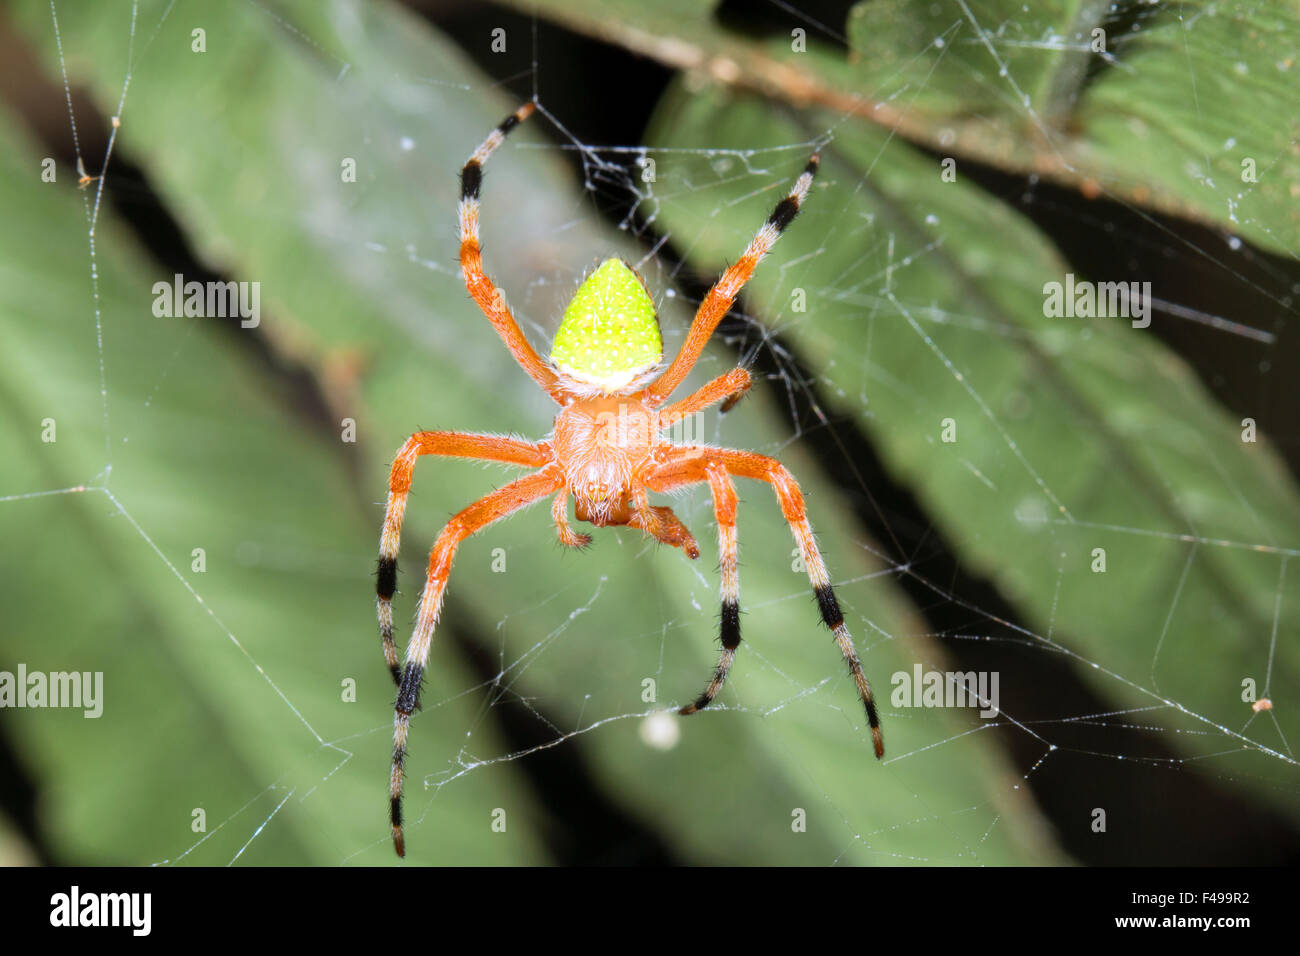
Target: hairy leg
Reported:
point(660, 522)
point(688, 462)
point(479, 515)
point(560, 515)
point(483, 290)
point(728, 389)
point(451, 444)
point(719, 300)
point(724, 508)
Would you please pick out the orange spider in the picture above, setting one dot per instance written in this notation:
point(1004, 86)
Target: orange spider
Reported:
point(606, 449)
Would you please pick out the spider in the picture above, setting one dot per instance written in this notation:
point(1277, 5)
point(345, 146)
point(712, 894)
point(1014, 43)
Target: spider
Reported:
point(605, 372)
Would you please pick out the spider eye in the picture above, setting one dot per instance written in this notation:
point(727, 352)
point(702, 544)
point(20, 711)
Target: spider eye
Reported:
point(609, 336)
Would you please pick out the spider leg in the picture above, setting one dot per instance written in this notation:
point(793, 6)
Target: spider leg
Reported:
point(685, 471)
point(519, 493)
point(687, 463)
point(451, 444)
point(728, 389)
point(484, 292)
point(661, 523)
point(722, 296)
point(724, 509)
point(560, 515)
point(668, 528)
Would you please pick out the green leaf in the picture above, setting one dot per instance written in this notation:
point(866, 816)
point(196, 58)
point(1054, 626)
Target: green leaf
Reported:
point(1190, 109)
point(222, 671)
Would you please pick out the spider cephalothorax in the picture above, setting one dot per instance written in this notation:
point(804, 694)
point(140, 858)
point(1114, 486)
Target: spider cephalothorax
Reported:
point(607, 450)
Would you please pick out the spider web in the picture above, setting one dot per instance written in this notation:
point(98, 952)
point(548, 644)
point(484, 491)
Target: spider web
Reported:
point(554, 674)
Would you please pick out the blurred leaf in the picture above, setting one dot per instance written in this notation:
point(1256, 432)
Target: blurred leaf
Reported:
point(222, 687)
point(1159, 104)
point(1163, 118)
